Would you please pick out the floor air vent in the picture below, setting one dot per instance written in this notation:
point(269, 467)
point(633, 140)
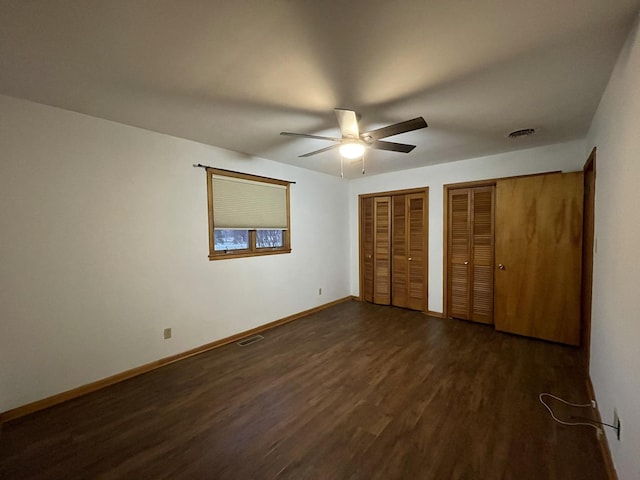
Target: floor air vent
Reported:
point(250, 340)
point(525, 132)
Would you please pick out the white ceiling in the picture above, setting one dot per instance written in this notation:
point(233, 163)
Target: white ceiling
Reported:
point(236, 73)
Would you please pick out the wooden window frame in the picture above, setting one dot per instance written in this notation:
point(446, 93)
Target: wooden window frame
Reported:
point(253, 250)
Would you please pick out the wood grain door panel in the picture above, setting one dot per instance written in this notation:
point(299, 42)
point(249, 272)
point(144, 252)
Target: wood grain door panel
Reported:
point(400, 267)
point(366, 253)
point(459, 242)
point(382, 251)
point(482, 249)
point(416, 205)
point(539, 225)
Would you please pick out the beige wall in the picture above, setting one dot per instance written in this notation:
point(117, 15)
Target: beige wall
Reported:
point(104, 244)
point(615, 339)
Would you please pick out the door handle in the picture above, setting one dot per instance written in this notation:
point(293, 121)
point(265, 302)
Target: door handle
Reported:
point(467, 262)
point(501, 266)
point(410, 258)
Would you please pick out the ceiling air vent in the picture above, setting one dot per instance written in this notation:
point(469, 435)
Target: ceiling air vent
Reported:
point(525, 132)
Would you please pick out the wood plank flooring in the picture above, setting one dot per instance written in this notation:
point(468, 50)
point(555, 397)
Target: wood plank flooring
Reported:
point(356, 391)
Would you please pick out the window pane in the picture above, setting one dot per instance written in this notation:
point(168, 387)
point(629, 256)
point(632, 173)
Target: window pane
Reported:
point(230, 239)
point(269, 238)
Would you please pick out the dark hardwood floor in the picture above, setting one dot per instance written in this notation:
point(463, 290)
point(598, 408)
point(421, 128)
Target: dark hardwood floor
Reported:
point(356, 391)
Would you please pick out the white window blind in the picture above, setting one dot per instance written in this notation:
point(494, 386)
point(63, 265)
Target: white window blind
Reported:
point(246, 204)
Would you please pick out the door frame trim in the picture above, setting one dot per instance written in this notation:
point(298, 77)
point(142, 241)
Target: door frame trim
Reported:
point(586, 293)
point(394, 192)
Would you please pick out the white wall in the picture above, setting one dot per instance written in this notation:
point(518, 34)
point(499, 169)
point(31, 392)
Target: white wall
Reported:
point(615, 333)
point(564, 156)
point(103, 244)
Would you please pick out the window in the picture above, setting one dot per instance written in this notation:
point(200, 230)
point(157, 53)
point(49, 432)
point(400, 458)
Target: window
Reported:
point(248, 215)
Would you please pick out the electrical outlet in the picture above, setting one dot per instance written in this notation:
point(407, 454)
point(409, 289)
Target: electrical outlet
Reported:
point(616, 423)
point(167, 333)
point(320, 291)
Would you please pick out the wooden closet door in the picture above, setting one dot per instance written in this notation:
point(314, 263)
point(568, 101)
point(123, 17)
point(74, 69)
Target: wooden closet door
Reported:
point(366, 253)
point(399, 247)
point(382, 251)
point(482, 246)
point(459, 246)
point(417, 251)
point(538, 256)
point(408, 243)
point(471, 247)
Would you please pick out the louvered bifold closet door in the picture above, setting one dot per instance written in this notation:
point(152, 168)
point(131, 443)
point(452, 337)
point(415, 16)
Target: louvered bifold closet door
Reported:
point(482, 246)
point(393, 248)
point(459, 246)
point(367, 229)
point(417, 250)
point(382, 251)
point(408, 244)
point(399, 244)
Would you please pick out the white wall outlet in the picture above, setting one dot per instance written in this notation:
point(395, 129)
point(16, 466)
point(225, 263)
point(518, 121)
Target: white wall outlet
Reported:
point(167, 333)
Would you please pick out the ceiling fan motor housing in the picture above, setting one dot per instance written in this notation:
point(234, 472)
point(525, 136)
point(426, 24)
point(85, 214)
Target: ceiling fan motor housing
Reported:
point(352, 148)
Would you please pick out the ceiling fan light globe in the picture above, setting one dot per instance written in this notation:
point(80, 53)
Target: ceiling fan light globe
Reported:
point(351, 150)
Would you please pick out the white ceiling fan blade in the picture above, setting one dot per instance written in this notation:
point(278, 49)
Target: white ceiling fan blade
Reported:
point(348, 123)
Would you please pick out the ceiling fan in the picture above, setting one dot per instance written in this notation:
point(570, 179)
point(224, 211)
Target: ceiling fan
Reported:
point(353, 143)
